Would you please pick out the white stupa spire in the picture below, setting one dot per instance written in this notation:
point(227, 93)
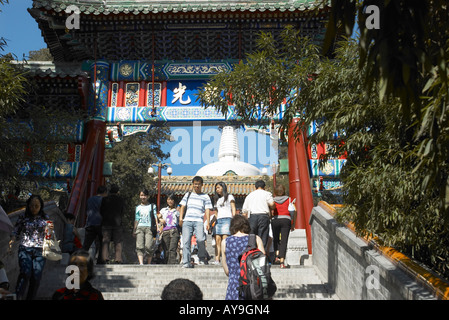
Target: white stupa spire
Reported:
point(228, 158)
point(229, 146)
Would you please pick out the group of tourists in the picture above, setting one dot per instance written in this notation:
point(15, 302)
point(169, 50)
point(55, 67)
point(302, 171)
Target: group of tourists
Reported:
point(171, 232)
point(269, 218)
point(179, 226)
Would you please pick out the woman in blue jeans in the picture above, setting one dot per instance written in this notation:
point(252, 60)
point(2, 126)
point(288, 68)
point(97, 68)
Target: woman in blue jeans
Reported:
point(196, 206)
point(30, 231)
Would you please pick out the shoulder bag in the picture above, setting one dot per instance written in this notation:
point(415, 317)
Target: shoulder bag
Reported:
point(51, 249)
point(153, 221)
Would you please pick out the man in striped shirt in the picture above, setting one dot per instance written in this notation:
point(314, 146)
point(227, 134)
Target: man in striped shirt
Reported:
point(195, 205)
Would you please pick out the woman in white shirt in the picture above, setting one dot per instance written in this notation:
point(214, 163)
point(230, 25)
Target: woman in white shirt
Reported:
point(225, 206)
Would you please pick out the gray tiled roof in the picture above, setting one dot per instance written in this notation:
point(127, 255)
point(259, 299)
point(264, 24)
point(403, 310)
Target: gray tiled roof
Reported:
point(97, 7)
point(52, 69)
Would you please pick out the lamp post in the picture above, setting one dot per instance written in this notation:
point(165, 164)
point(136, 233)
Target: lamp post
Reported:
point(159, 173)
point(274, 167)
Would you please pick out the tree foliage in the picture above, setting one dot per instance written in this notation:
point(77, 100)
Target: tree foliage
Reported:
point(29, 135)
point(40, 55)
point(131, 159)
point(25, 125)
point(383, 176)
point(408, 56)
point(12, 90)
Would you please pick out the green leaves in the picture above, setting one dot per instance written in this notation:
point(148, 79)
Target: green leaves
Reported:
point(406, 61)
point(374, 102)
point(132, 158)
point(266, 78)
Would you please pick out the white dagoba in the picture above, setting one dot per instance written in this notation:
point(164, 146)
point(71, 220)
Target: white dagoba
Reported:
point(228, 158)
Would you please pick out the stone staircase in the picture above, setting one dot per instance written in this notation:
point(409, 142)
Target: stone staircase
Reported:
point(135, 282)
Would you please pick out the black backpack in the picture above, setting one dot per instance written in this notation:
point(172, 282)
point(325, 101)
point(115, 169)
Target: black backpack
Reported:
point(255, 282)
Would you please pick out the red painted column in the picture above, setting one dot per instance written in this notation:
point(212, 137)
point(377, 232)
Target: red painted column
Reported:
point(121, 94)
point(79, 186)
point(142, 94)
point(164, 94)
point(306, 190)
point(90, 171)
point(293, 176)
point(98, 162)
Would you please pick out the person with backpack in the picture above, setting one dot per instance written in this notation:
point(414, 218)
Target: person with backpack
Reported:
point(144, 223)
point(231, 248)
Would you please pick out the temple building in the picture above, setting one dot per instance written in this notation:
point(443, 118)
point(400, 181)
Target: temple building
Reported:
point(239, 176)
point(132, 65)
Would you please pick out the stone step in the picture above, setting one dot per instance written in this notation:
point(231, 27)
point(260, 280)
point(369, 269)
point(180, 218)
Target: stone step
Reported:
point(208, 296)
point(115, 281)
point(134, 282)
point(157, 270)
point(301, 292)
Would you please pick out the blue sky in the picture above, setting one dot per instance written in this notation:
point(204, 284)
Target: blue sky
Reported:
point(23, 35)
point(19, 29)
point(195, 148)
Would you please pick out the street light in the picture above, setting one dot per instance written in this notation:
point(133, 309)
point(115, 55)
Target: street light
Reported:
point(274, 167)
point(159, 172)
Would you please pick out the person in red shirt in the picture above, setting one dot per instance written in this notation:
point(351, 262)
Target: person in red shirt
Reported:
point(282, 222)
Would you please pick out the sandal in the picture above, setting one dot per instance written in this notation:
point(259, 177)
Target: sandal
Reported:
point(285, 266)
point(277, 261)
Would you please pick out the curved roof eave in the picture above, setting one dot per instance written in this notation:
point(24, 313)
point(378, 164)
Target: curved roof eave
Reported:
point(135, 7)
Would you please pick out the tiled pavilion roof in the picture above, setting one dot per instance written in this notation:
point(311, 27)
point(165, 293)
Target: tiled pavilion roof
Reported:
point(237, 185)
point(106, 7)
point(170, 30)
point(52, 69)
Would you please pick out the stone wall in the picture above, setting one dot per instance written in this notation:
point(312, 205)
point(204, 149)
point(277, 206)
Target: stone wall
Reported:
point(353, 269)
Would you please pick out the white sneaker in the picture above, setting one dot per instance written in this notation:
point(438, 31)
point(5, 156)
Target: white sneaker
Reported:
point(187, 265)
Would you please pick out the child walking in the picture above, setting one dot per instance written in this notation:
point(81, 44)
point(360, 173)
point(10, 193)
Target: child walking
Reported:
point(144, 219)
point(169, 217)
